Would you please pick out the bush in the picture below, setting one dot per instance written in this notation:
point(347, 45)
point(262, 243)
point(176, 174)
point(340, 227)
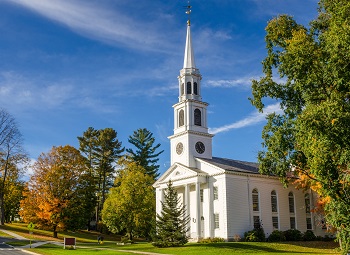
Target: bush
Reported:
point(277, 236)
point(212, 240)
point(237, 238)
point(293, 235)
point(255, 235)
point(309, 236)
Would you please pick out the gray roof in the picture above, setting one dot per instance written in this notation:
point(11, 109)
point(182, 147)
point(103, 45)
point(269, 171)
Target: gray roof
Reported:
point(234, 165)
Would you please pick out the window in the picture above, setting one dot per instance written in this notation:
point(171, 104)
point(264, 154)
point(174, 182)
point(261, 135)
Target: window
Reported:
point(274, 201)
point(201, 194)
point(255, 196)
point(182, 89)
point(181, 118)
point(291, 202)
point(216, 221)
point(197, 117)
point(216, 193)
point(189, 88)
point(308, 223)
point(195, 88)
point(275, 222)
point(307, 203)
point(256, 220)
point(292, 222)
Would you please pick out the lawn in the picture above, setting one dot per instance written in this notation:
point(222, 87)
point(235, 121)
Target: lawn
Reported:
point(291, 248)
point(87, 244)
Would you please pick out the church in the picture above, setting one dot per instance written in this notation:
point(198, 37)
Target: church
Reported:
point(224, 197)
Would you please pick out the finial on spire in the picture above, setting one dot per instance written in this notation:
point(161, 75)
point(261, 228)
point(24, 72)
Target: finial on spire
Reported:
point(188, 12)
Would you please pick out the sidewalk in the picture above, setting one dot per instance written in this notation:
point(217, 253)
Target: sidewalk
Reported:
point(13, 234)
point(36, 244)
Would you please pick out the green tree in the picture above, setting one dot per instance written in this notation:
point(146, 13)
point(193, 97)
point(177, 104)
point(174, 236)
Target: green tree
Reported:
point(130, 205)
point(13, 191)
point(55, 194)
point(102, 150)
point(172, 223)
point(11, 154)
point(145, 152)
point(312, 134)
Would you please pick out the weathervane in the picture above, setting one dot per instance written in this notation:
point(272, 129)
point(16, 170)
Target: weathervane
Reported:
point(188, 12)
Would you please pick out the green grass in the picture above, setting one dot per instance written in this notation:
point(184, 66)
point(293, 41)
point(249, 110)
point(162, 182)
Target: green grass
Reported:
point(87, 244)
point(292, 248)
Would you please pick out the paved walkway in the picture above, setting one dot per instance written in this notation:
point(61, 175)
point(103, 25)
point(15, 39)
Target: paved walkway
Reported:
point(36, 244)
point(18, 237)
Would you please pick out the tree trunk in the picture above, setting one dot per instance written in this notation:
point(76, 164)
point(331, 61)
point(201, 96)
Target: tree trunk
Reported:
point(55, 235)
point(2, 219)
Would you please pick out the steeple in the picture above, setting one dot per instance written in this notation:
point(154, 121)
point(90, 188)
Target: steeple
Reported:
point(191, 138)
point(189, 55)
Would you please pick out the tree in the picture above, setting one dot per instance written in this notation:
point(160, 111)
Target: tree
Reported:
point(55, 194)
point(172, 223)
point(312, 134)
point(11, 153)
point(145, 152)
point(102, 150)
point(13, 191)
point(130, 205)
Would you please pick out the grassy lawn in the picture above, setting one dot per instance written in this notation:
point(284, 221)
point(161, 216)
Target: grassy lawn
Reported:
point(87, 244)
point(305, 248)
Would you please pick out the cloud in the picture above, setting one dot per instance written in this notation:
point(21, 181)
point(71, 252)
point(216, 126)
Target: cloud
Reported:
point(252, 119)
point(240, 82)
point(32, 93)
point(98, 21)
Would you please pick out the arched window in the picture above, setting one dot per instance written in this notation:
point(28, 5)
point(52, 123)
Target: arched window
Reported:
point(182, 88)
point(181, 118)
point(273, 201)
point(274, 209)
point(292, 222)
point(307, 203)
point(291, 202)
point(195, 88)
point(197, 117)
point(308, 211)
point(255, 198)
point(189, 90)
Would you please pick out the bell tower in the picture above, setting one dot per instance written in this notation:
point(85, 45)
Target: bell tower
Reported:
point(191, 138)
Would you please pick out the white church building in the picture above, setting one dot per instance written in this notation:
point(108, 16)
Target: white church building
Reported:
point(224, 197)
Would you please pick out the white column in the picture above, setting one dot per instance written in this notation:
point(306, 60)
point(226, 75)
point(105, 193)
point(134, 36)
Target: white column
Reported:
point(211, 208)
point(198, 209)
point(187, 204)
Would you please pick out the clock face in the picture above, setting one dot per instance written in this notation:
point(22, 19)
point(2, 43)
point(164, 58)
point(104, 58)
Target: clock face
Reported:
point(200, 148)
point(179, 148)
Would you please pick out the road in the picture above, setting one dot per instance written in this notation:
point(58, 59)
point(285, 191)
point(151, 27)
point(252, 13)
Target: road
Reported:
point(8, 250)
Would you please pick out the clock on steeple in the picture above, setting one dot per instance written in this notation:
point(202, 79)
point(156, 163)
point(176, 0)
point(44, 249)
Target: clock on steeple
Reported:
point(191, 137)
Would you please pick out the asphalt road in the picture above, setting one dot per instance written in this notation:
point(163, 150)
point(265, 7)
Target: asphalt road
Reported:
point(8, 250)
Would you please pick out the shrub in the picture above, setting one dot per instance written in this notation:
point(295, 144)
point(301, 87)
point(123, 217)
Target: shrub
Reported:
point(293, 235)
point(309, 236)
point(277, 236)
point(237, 238)
point(212, 240)
point(255, 235)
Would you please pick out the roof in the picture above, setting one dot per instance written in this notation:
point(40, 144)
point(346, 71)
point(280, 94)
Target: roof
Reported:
point(234, 165)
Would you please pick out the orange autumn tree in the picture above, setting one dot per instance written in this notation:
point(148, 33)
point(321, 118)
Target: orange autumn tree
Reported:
point(55, 196)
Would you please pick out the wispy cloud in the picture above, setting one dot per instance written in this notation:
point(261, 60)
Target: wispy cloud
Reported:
point(240, 82)
point(96, 20)
point(32, 93)
point(252, 119)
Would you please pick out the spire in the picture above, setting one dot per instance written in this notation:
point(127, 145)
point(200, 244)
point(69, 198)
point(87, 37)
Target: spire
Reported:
point(189, 55)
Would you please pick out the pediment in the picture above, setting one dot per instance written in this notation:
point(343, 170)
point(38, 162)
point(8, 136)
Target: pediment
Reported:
point(178, 172)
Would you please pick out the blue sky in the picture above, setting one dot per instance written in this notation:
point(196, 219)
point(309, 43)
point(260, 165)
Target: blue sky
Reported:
point(66, 65)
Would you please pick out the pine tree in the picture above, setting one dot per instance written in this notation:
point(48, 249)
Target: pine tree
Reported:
point(172, 224)
point(145, 154)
